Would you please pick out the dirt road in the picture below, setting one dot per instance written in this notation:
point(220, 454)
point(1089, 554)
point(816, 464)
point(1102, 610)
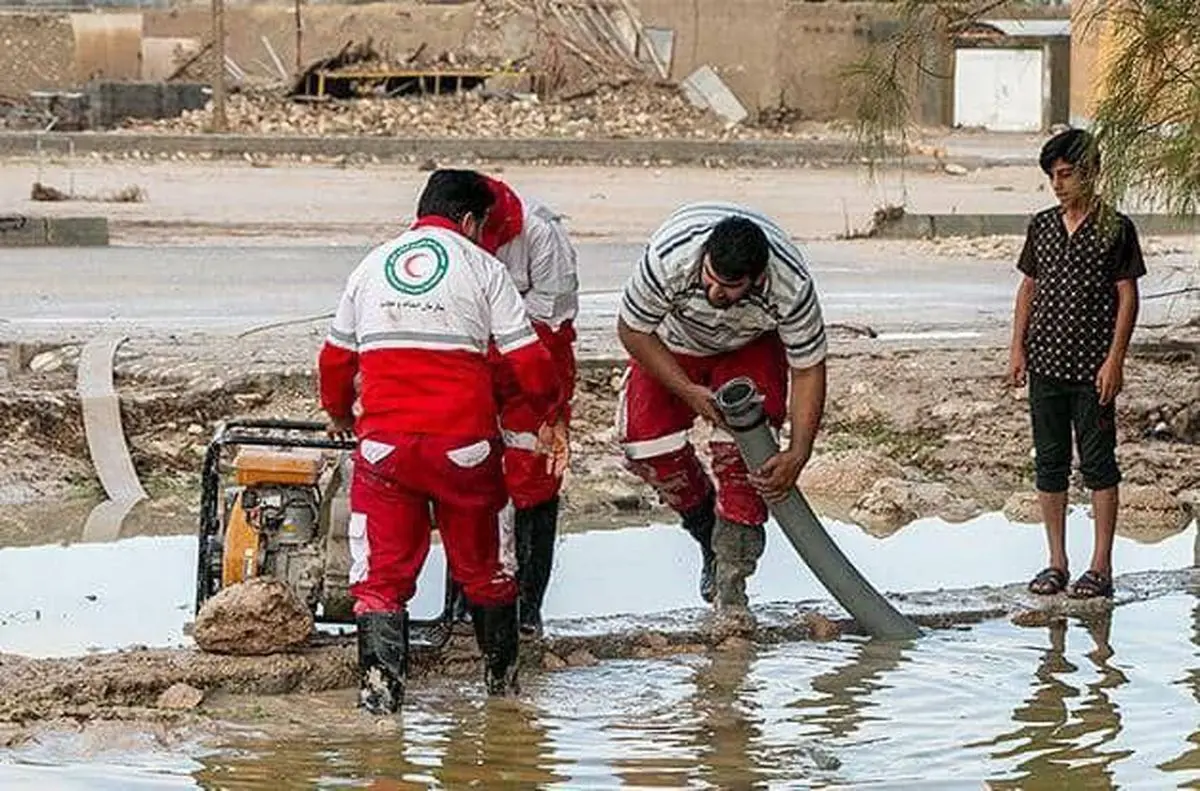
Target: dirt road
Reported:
point(321, 203)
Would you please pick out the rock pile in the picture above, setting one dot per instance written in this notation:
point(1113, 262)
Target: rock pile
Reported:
point(636, 110)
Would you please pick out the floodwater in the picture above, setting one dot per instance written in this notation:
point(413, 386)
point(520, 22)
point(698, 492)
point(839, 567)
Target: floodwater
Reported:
point(1113, 702)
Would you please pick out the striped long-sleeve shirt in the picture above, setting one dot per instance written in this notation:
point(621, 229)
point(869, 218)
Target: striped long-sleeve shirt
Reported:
point(665, 294)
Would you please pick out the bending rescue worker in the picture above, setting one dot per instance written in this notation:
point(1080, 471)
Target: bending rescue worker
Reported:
point(529, 239)
point(410, 343)
point(720, 292)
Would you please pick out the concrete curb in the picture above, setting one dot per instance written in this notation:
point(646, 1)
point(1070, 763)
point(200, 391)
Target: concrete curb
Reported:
point(745, 153)
point(929, 226)
point(19, 230)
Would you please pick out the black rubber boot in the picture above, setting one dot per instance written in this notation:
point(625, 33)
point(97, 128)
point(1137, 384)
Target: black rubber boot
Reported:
point(459, 612)
point(536, 529)
point(496, 633)
point(699, 523)
point(382, 661)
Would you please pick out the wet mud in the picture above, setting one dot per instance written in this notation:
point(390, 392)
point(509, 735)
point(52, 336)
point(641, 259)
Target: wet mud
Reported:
point(908, 434)
point(130, 684)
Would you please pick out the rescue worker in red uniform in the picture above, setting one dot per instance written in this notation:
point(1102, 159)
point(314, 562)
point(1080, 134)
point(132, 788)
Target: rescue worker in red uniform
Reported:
point(529, 239)
point(721, 292)
point(410, 342)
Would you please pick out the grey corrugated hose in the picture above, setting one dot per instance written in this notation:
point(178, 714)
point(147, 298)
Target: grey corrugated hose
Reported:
point(741, 406)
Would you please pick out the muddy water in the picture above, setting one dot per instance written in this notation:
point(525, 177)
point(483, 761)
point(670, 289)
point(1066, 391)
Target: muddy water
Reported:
point(1111, 703)
point(69, 599)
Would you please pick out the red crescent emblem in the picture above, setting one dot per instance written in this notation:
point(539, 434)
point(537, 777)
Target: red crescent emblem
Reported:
point(408, 266)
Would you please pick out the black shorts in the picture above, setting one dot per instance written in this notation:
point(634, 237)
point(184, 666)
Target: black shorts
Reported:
point(1055, 407)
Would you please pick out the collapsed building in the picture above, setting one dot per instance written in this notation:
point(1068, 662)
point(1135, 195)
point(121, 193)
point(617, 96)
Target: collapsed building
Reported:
point(754, 61)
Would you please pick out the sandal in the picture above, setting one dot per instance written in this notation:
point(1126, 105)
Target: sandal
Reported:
point(1048, 582)
point(1091, 585)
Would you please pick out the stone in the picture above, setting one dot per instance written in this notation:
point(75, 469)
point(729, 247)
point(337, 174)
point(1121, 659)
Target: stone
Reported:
point(180, 697)
point(582, 658)
point(820, 628)
point(46, 362)
point(253, 618)
point(656, 640)
point(960, 411)
point(847, 473)
point(1035, 618)
point(1023, 507)
point(552, 661)
point(955, 169)
point(1151, 512)
point(12, 736)
point(891, 503)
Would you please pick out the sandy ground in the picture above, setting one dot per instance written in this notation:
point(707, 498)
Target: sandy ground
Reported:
point(325, 203)
point(941, 413)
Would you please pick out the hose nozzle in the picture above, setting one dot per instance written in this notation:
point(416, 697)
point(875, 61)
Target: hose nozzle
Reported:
point(740, 403)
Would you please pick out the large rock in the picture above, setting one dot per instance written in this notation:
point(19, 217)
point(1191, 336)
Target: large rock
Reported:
point(961, 412)
point(180, 697)
point(1151, 513)
point(861, 403)
point(847, 474)
point(257, 617)
point(1023, 507)
point(892, 503)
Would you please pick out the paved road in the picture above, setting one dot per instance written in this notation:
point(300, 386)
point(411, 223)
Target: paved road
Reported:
point(54, 291)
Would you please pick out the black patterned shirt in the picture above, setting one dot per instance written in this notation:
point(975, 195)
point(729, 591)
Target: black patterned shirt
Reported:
point(1074, 311)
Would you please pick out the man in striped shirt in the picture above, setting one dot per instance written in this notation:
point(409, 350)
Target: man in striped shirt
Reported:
point(721, 292)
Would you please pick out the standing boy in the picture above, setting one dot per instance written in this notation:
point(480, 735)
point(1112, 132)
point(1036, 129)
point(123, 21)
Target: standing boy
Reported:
point(1074, 315)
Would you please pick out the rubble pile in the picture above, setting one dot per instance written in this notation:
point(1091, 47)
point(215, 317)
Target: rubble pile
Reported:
point(365, 56)
point(635, 110)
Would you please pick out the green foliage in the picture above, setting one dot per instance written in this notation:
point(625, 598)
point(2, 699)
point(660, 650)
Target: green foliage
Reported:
point(1147, 124)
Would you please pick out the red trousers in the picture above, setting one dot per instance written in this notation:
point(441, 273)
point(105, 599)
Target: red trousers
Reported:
point(399, 482)
point(653, 425)
point(525, 474)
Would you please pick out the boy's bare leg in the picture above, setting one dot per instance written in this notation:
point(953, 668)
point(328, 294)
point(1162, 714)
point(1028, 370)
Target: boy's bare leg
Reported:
point(1054, 515)
point(1104, 510)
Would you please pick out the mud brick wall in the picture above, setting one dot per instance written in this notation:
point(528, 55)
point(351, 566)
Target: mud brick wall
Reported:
point(37, 52)
point(773, 52)
point(395, 28)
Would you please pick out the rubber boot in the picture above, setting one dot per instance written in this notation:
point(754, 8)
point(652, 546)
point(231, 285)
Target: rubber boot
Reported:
point(496, 634)
point(382, 661)
point(699, 523)
point(459, 613)
point(536, 529)
point(738, 548)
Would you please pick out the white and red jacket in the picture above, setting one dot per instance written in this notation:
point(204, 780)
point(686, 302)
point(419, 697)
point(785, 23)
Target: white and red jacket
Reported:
point(529, 239)
point(413, 329)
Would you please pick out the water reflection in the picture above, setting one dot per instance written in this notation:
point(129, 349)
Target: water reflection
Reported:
point(730, 721)
point(844, 701)
point(1189, 760)
point(1062, 742)
point(502, 740)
